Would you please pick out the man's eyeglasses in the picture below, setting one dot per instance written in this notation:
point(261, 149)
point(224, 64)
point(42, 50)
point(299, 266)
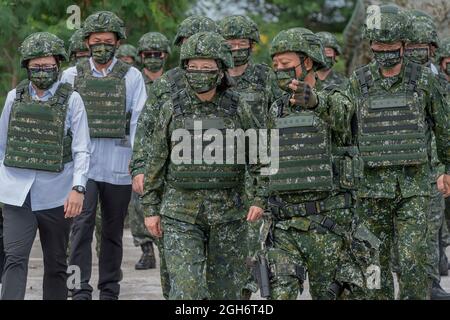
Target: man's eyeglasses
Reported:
point(43, 68)
point(153, 54)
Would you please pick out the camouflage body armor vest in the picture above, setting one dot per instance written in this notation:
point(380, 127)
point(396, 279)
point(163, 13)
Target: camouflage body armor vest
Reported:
point(203, 176)
point(36, 138)
point(392, 128)
point(105, 100)
point(176, 79)
point(253, 90)
point(305, 160)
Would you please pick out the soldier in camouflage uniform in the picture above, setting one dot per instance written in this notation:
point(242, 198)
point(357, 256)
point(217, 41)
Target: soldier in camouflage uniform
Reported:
point(397, 107)
point(328, 77)
point(77, 47)
point(443, 62)
point(169, 83)
point(44, 152)
point(257, 86)
point(200, 207)
point(356, 49)
point(420, 47)
point(153, 50)
point(128, 54)
point(114, 94)
point(312, 196)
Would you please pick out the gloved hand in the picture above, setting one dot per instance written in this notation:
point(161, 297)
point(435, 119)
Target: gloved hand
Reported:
point(303, 95)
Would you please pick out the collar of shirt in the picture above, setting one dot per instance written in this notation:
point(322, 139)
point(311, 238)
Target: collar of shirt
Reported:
point(102, 73)
point(47, 93)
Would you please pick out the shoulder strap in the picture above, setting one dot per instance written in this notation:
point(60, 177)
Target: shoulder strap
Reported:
point(261, 72)
point(120, 69)
point(280, 103)
point(63, 93)
point(412, 74)
point(365, 79)
point(229, 102)
point(176, 81)
point(21, 90)
point(180, 102)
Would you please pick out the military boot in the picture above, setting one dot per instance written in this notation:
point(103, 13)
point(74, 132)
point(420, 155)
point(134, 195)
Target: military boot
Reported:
point(147, 260)
point(438, 293)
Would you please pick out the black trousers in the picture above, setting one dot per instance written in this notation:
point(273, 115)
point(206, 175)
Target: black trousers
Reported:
point(114, 200)
point(2, 251)
point(20, 225)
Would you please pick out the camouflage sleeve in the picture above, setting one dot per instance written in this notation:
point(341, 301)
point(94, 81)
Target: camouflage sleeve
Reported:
point(439, 110)
point(338, 110)
point(157, 95)
point(252, 186)
point(158, 153)
point(273, 88)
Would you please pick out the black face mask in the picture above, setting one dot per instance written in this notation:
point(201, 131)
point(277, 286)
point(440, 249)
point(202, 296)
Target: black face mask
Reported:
point(43, 78)
point(387, 59)
point(418, 55)
point(241, 56)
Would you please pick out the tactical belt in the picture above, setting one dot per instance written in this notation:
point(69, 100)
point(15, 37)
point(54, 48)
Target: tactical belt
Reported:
point(313, 210)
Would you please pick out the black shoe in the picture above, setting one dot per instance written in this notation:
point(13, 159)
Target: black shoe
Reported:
point(147, 260)
point(437, 293)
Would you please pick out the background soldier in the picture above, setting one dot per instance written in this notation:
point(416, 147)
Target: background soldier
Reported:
point(77, 48)
point(421, 44)
point(256, 85)
point(128, 54)
point(44, 149)
point(328, 77)
point(202, 208)
point(112, 123)
point(153, 50)
point(393, 130)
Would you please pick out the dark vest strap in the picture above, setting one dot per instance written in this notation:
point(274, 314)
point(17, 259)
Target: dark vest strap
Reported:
point(412, 73)
point(21, 90)
point(365, 80)
point(229, 102)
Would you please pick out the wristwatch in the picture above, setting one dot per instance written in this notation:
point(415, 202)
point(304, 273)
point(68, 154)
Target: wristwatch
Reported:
point(79, 189)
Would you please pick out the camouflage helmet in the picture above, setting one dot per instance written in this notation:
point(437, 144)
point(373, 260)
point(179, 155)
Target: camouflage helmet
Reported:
point(126, 50)
point(41, 44)
point(76, 43)
point(207, 45)
point(239, 27)
point(329, 41)
point(422, 29)
point(153, 41)
point(302, 41)
point(104, 21)
point(386, 23)
point(443, 51)
point(193, 25)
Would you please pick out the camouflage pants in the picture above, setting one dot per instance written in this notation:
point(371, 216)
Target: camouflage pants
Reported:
point(205, 261)
point(436, 220)
point(141, 236)
point(407, 219)
point(302, 243)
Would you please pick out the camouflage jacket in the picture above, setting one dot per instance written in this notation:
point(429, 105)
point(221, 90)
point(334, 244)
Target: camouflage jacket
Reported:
point(251, 78)
point(334, 79)
point(410, 180)
point(181, 204)
point(158, 93)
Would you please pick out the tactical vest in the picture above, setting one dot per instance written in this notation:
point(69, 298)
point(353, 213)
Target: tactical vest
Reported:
point(305, 161)
point(254, 92)
point(392, 128)
point(105, 100)
point(194, 176)
point(36, 138)
point(176, 79)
